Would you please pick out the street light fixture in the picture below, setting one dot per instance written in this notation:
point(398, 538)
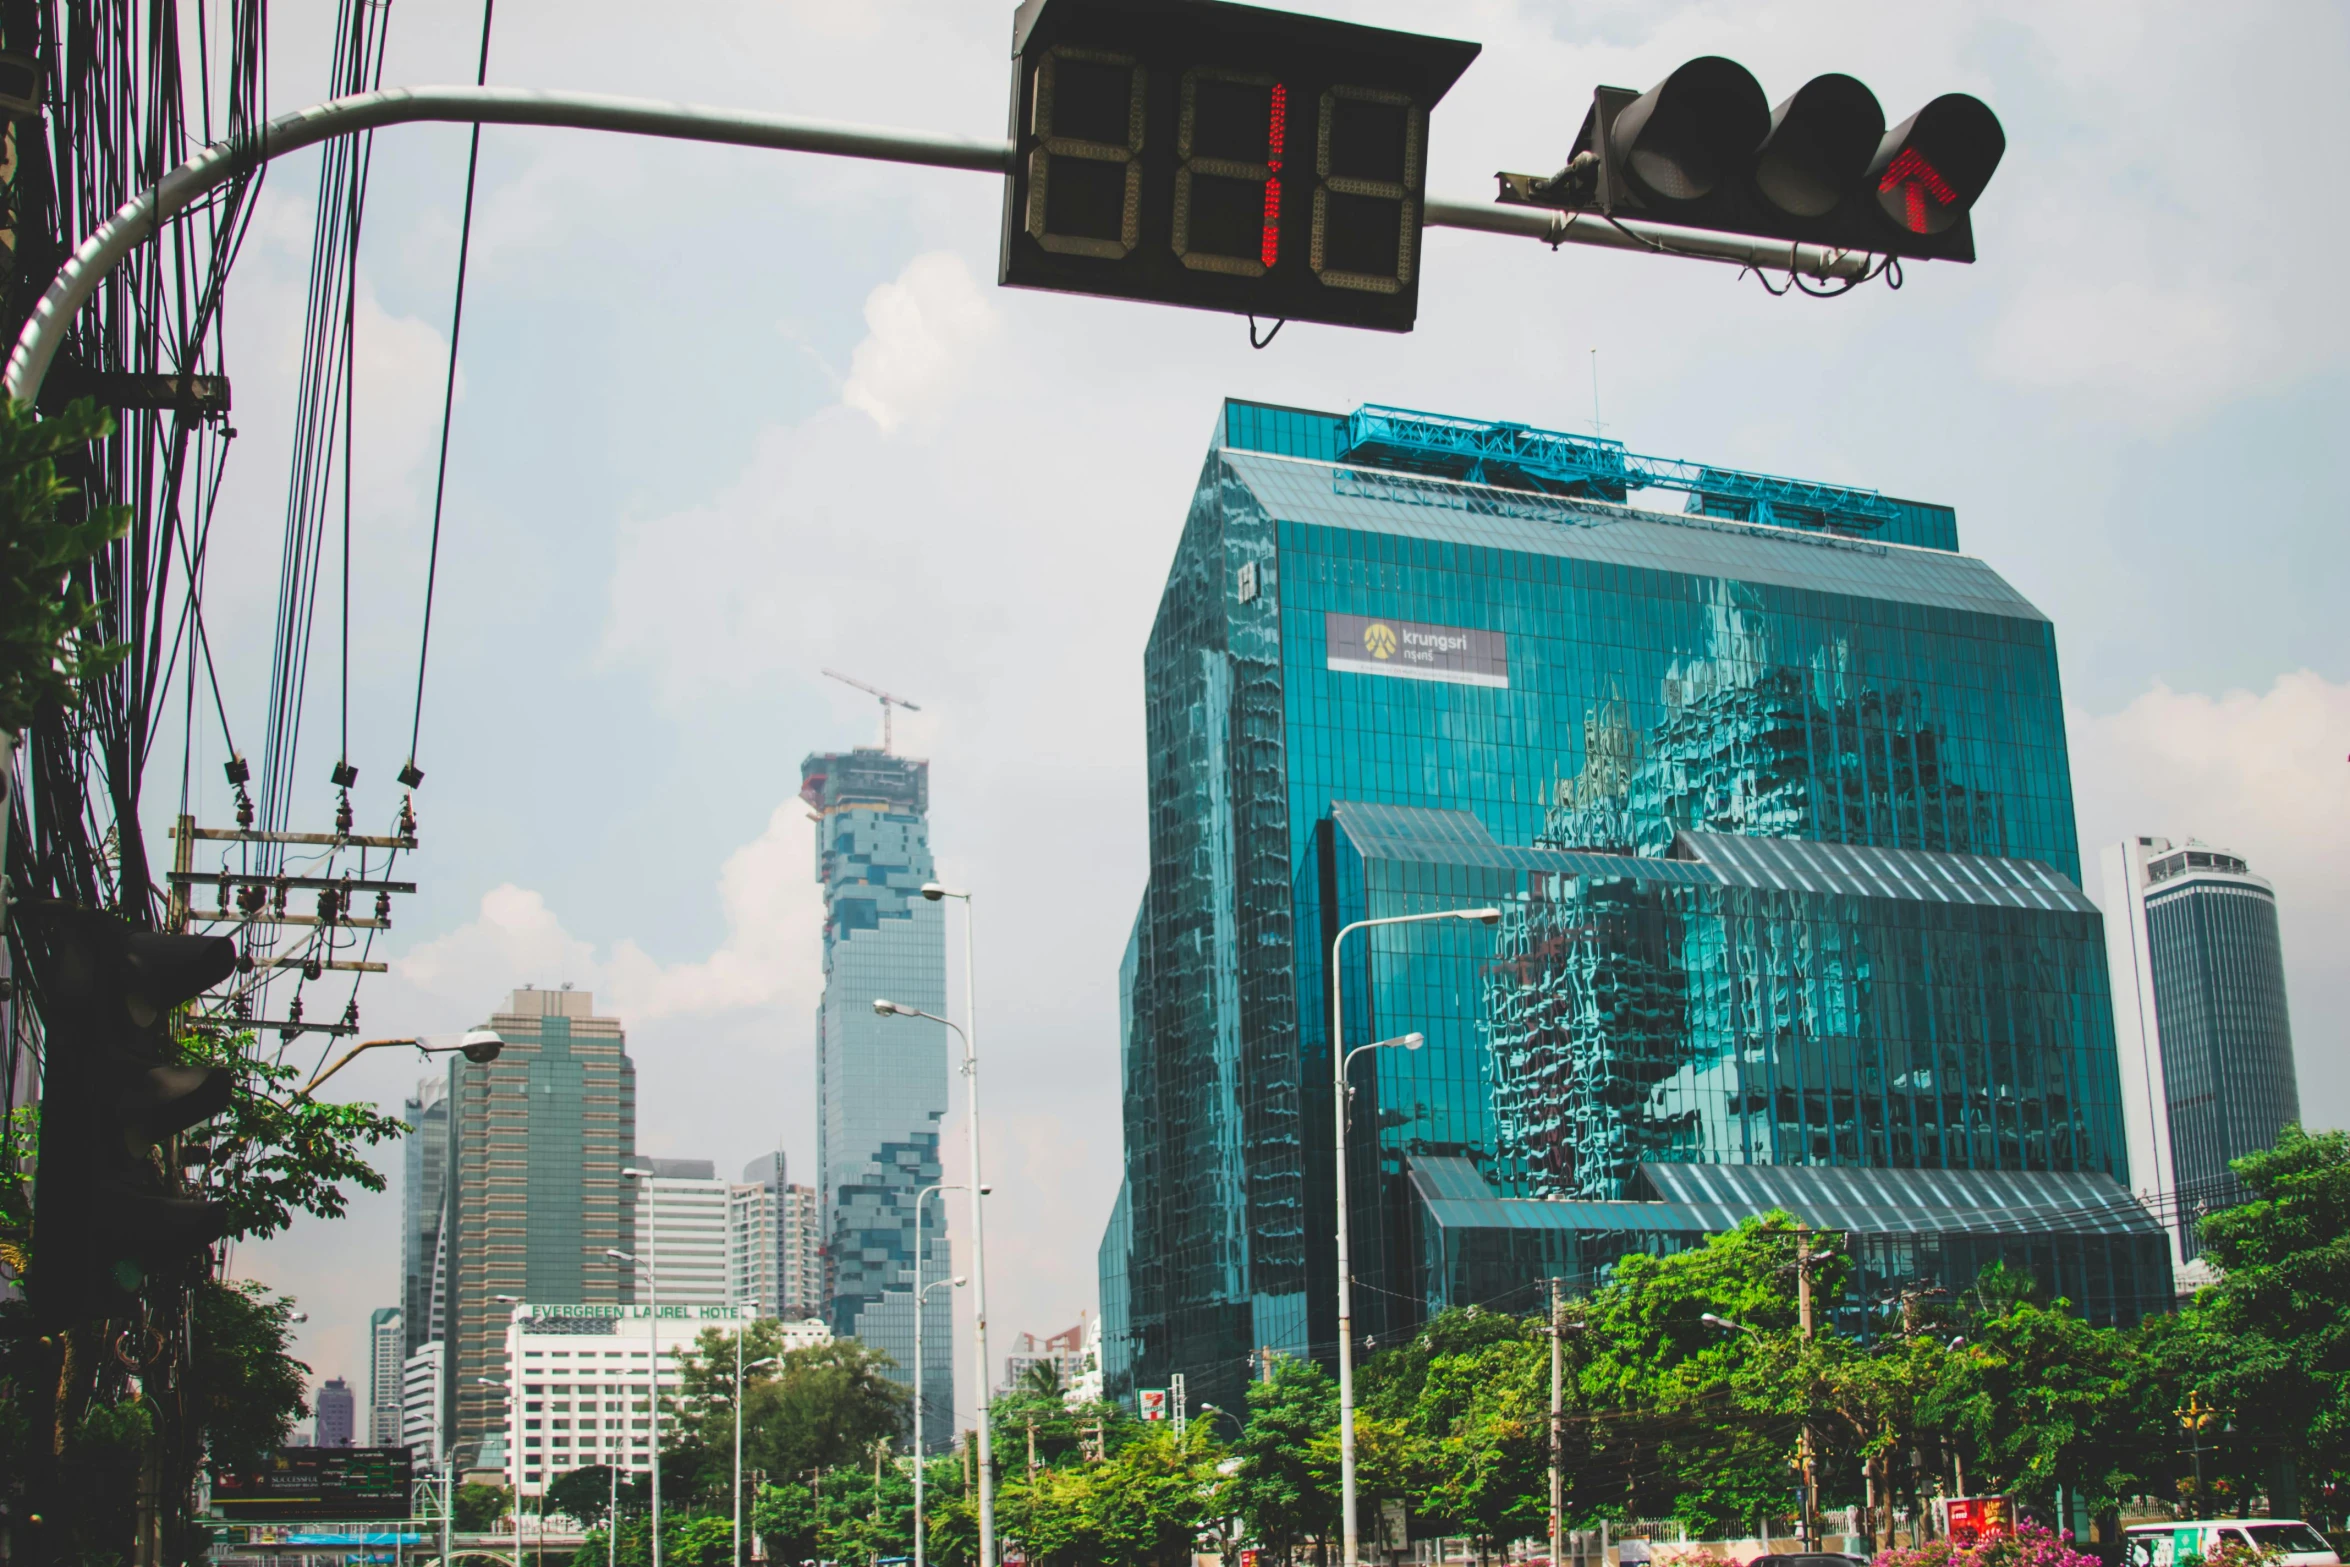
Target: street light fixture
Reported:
point(740, 1328)
point(477, 1045)
point(653, 1344)
point(1728, 1326)
point(921, 1524)
point(977, 1188)
point(1340, 1057)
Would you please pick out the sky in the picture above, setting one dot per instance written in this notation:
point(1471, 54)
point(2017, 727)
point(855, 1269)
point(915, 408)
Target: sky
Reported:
point(726, 418)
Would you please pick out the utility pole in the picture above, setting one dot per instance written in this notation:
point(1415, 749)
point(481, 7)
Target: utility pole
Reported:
point(1032, 1449)
point(1265, 1363)
point(1558, 1420)
point(1811, 1498)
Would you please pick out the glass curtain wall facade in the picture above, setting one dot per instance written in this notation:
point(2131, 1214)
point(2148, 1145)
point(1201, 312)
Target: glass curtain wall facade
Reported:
point(2206, 1038)
point(1344, 623)
point(424, 1201)
point(539, 1137)
point(881, 1082)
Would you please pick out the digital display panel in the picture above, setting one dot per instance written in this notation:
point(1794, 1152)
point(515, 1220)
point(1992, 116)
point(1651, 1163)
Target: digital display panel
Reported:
point(1222, 157)
point(346, 1484)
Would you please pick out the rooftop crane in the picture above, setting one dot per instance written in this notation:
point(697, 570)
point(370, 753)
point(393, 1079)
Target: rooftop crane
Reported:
point(887, 700)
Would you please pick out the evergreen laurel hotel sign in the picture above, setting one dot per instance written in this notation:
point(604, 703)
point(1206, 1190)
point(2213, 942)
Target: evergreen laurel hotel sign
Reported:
point(1409, 650)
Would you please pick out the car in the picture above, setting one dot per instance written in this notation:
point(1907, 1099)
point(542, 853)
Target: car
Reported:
point(1811, 1559)
point(2166, 1544)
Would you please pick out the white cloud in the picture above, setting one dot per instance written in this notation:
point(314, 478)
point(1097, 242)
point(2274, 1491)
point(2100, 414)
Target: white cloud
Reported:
point(773, 917)
point(917, 349)
point(2263, 773)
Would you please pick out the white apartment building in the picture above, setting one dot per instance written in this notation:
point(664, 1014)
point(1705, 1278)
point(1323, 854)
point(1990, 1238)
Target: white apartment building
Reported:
point(753, 1253)
point(578, 1380)
point(681, 1219)
point(803, 1264)
point(387, 1335)
point(420, 1404)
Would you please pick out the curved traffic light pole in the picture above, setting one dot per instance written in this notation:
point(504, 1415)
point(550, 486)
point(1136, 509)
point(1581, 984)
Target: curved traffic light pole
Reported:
point(138, 218)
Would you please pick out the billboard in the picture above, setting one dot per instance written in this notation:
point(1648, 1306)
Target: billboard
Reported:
point(1971, 1519)
point(1410, 650)
point(346, 1484)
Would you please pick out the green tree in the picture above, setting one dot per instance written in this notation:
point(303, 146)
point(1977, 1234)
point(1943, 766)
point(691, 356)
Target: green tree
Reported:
point(2040, 1398)
point(245, 1386)
point(1286, 1487)
point(582, 1494)
point(477, 1507)
point(784, 1518)
point(47, 651)
point(2283, 1301)
point(276, 1152)
point(824, 1406)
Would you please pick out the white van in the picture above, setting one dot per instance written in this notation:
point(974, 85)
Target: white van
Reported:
point(2167, 1544)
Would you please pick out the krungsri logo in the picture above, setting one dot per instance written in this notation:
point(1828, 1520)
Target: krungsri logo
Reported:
point(1378, 639)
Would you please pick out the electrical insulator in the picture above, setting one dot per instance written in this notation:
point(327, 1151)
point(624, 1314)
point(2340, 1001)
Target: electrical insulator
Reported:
point(310, 968)
point(383, 905)
point(407, 816)
point(244, 811)
point(343, 812)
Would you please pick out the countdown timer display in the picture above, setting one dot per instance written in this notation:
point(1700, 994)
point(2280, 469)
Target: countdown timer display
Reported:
point(1222, 157)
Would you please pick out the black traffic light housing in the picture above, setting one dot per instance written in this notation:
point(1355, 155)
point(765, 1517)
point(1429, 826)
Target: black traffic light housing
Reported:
point(1224, 157)
point(1703, 149)
point(107, 1214)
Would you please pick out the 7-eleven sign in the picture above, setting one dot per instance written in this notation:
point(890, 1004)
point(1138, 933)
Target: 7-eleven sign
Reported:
point(1154, 1403)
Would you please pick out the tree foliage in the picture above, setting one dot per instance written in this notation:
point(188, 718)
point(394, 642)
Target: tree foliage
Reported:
point(47, 618)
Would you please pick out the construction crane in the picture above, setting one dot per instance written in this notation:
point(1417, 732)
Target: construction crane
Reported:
point(887, 701)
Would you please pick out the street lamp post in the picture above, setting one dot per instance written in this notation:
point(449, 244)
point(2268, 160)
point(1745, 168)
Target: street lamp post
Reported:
point(652, 1341)
point(741, 1327)
point(478, 1044)
point(921, 1526)
point(978, 1190)
point(1340, 1058)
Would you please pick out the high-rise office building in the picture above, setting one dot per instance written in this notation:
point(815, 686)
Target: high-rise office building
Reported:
point(773, 1252)
point(881, 1083)
point(424, 1200)
point(753, 1251)
point(423, 1406)
point(1772, 796)
point(681, 1222)
point(387, 1343)
point(538, 1139)
point(2199, 1013)
point(337, 1411)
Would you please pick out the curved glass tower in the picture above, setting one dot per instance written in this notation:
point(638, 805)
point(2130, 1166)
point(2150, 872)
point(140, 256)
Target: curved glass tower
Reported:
point(881, 1083)
point(2199, 1011)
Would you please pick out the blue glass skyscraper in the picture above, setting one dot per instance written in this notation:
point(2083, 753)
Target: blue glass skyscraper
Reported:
point(881, 1083)
point(1774, 797)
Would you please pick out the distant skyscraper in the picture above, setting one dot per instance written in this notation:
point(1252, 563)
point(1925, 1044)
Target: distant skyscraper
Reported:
point(681, 1230)
point(539, 1137)
point(335, 1413)
point(387, 1354)
point(803, 1254)
point(421, 1406)
point(2199, 1013)
point(772, 1252)
point(881, 1083)
point(424, 1196)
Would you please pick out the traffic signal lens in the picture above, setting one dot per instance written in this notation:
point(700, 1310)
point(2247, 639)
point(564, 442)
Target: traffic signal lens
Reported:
point(1930, 168)
point(1228, 189)
point(1687, 133)
point(1821, 141)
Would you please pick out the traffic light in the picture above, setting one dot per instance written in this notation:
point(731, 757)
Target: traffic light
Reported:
point(106, 1214)
point(1704, 149)
point(1190, 152)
